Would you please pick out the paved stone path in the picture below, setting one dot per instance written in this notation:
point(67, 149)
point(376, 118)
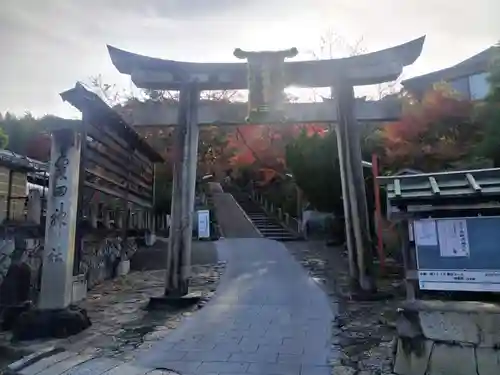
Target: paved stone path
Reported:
point(268, 318)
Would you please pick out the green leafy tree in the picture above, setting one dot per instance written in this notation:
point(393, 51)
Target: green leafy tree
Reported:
point(313, 161)
point(27, 135)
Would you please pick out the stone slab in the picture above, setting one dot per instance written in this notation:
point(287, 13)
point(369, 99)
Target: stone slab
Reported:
point(488, 361)
point(452, 359)
point(33, 358)
point(45, 363)
point(452, 306)
point(126, 369)
point(96, 366)
point(267, 317)
point(473, 323)
point(61, 367)
point(450, 326)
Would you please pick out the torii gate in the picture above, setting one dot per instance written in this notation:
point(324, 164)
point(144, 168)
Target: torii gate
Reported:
point(190, 78)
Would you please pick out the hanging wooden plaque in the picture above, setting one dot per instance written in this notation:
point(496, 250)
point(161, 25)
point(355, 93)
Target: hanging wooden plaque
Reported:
point(266, 83)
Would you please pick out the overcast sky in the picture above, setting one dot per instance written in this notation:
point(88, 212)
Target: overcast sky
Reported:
point(48, 45)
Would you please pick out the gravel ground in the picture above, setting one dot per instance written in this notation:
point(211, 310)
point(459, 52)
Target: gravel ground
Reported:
point(120, 322)
point(363, 331)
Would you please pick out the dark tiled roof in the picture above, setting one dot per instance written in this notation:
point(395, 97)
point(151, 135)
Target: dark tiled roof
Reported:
point(15, 161)
point(476, 64)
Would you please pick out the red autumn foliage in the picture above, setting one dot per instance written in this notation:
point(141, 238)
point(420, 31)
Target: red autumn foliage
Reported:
point(433, 134)
point(263, 146)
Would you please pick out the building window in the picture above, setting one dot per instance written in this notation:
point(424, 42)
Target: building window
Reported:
point(461, 86)
point(479, 86)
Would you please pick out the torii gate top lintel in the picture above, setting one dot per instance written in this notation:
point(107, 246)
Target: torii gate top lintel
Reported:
point(371, 68)
point(283, 54)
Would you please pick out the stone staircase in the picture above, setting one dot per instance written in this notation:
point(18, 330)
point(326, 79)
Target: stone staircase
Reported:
point(269, 226)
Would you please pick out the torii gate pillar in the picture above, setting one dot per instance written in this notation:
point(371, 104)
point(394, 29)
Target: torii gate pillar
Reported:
point(273, 73)
point(183, 193)
point(357, 225)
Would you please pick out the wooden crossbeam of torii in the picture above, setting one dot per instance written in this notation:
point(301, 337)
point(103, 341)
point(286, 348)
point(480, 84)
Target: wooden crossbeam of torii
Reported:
point(154, 114)
point(339, 74)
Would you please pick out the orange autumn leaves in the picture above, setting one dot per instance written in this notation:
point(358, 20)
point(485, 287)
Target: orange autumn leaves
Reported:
point(432, 135)
point(263, 146)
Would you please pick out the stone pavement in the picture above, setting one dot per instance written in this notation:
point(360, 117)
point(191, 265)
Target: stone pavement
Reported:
point(268, 317)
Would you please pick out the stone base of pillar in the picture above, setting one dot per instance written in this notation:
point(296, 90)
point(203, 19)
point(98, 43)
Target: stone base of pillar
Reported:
point(174, 302)
point(11, 313)
point(60, 323)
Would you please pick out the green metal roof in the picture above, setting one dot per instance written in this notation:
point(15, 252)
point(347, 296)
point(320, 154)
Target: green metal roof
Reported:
point(480, 184)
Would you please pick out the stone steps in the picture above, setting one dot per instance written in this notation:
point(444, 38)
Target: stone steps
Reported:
point(268, 226)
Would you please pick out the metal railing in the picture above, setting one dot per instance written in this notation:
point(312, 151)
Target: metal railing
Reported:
point(290, 222)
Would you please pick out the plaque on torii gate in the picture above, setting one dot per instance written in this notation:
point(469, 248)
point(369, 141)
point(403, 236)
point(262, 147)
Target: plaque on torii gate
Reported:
point(340, 74)
point(266, 83)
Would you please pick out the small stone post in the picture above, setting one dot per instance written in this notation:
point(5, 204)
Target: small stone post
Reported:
point(133, 219)
point(150, 229)
point(287, 218)
point(34, 209)
point(54, 315)
point(119, 214)
point(106, 218)
point(140, 219)
point(57, 271)
point(94, 214)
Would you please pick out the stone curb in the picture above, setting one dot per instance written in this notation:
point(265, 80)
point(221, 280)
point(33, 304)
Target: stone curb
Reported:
point(58, 361)
point(30, 359)
point(11, 353)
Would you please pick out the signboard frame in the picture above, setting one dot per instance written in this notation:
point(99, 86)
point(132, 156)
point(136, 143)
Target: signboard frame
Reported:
point(467, 278)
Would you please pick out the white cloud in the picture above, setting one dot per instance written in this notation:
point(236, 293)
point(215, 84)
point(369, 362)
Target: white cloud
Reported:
point(48, 45)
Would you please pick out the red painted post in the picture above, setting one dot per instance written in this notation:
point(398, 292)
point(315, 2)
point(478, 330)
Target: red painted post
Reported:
point(378, 213)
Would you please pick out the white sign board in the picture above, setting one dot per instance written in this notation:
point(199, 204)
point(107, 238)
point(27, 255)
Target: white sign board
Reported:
point(453, 238)
point(203, 224)
point(459, 280)
point(425, 233)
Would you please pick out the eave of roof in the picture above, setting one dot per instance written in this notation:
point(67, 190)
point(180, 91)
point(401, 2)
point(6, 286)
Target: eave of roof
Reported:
point(476, 64)
point(87, 101)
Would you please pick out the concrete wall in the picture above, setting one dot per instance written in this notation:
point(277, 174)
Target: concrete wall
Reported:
point(455, 338)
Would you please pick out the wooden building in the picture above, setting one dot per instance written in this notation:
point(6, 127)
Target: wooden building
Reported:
point(17, 174)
